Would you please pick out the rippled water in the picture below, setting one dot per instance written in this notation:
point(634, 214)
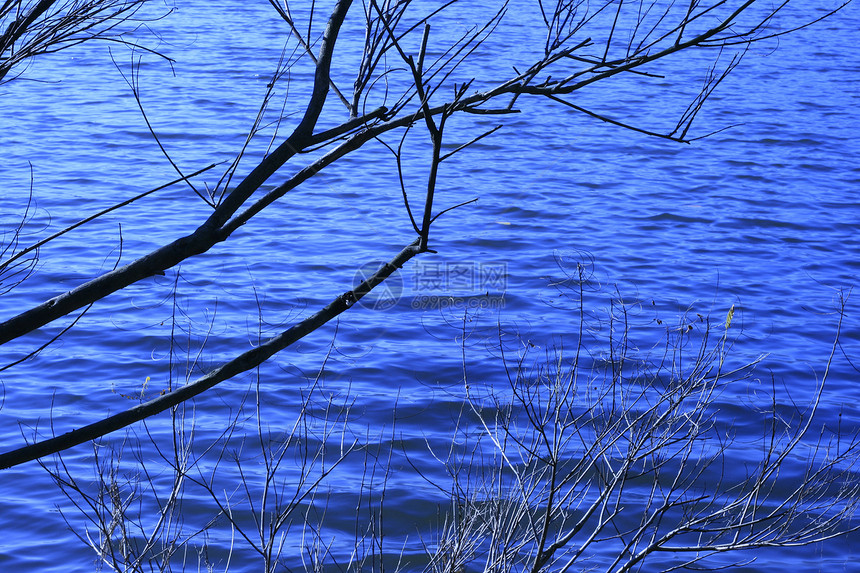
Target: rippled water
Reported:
point(763, 216)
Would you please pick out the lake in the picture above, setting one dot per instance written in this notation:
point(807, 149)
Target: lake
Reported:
point(583, 232)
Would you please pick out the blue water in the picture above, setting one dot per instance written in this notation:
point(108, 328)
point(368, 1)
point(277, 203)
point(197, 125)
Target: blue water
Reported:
point(763, 216)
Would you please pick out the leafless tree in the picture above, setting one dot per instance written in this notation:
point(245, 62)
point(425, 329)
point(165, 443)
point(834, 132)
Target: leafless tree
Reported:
point(409, 77)
point(541, 477)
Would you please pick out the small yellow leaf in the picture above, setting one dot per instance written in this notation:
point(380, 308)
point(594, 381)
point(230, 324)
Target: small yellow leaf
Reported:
point(729, 317)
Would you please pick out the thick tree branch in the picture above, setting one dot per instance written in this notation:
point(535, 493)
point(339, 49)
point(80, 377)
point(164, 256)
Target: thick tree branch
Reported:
point(242, 363)
point(301, 137)
point(206, 236)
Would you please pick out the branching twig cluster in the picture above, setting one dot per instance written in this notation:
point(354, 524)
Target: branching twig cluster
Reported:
point(614, 465)
point(31, 28)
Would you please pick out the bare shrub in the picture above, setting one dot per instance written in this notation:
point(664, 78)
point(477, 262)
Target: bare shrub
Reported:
point(596, 458)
